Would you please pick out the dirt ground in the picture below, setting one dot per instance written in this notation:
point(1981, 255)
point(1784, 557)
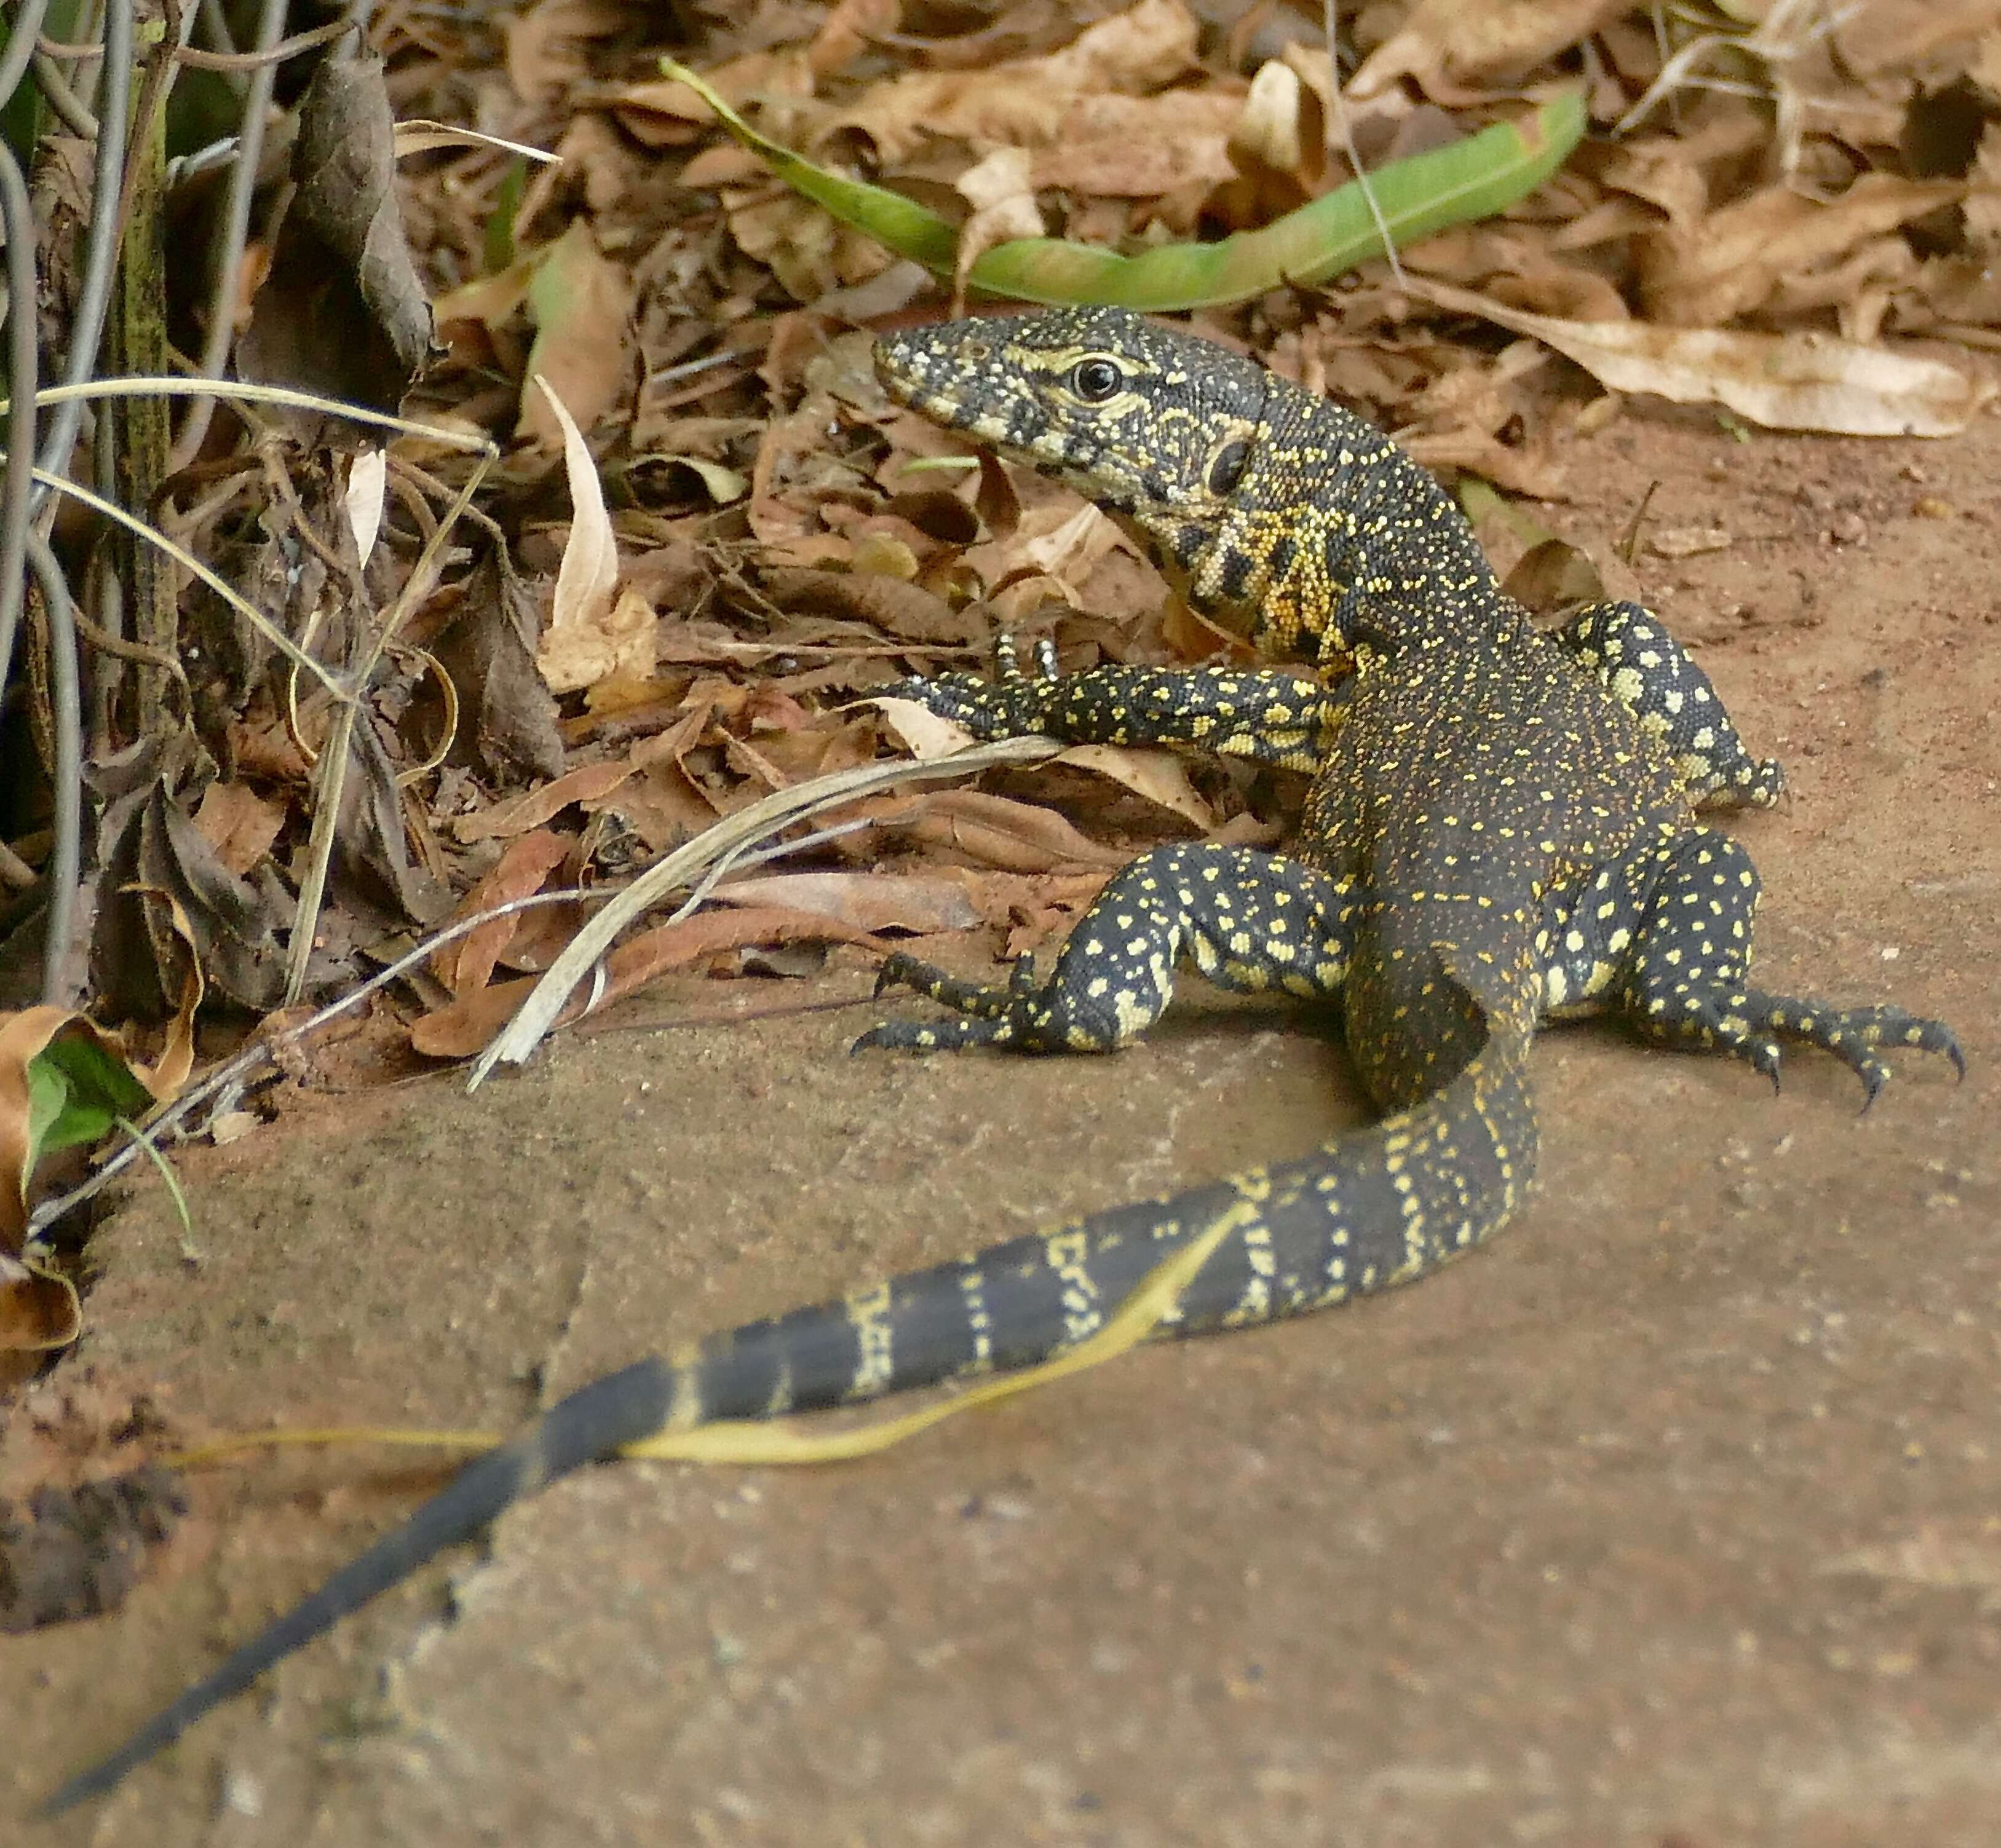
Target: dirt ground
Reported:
point(1673, 1518)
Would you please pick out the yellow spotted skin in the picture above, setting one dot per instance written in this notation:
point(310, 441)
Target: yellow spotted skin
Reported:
point(1499, 829)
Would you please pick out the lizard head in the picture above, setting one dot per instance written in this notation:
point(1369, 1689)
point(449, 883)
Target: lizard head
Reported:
point(1154, 426)
point(1278, 516)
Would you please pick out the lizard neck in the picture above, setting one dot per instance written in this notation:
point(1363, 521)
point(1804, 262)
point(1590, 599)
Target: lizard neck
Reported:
point(1333, 540)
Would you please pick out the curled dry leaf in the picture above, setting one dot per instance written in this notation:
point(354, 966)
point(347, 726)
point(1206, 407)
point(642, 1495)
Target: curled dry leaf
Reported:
point(995, 831)
point(507, 715)
point(1782, 381)
point(1159, 776)
point(908, 611)
point(923, 904)
point(593, 631)
point(588, 782)
point(341, 312)
point(172, 910)
point(467, 964)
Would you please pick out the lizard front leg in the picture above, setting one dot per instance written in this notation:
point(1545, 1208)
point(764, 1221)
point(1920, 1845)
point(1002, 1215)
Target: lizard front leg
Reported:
point(1266, 715)
point(1248, 920)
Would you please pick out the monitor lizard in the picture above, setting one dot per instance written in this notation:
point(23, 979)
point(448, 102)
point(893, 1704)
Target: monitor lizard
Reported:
point(1500, 829)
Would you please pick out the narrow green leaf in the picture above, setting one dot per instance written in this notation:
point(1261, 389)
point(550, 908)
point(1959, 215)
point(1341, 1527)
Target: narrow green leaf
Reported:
point(1471, 178)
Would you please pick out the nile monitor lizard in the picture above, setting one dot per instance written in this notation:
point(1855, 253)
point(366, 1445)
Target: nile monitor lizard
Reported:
point(1499, 829)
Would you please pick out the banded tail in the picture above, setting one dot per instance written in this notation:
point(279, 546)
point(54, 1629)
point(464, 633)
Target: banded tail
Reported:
point(1382, 1206)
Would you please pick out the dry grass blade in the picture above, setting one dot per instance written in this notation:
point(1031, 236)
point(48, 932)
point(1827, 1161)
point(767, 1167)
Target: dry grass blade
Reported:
point(707, 856)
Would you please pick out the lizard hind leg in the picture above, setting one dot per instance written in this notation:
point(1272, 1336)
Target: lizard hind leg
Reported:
point(1686, 979)
point(1643, 667)
point(1248, 920)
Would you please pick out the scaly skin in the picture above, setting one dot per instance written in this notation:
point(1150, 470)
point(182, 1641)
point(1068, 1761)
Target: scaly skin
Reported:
point(1500, 828)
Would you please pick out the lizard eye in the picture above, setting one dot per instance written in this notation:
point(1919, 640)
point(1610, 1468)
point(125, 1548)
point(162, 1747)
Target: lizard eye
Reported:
point(1095, 380)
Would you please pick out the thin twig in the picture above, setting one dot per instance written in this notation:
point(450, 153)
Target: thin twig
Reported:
point(1330, 22)
point(232, 228)
point(100, 248)
point(24, 32)
point(274, 53)
point(66, 775)
point(16, 218)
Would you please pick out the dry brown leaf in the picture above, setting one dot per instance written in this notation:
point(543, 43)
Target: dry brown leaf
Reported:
point(581, 304)
point(793, 236)
point(1444, 44)
point(1784, 382)
point(1159, 776)
point(1553, 575)
point(921, 903)
point(995, 831)
point(468, 964)
point(1736, 257)
point(1117, 146)
point(168, 907)
point(921, 731)
point(1059, 542)
point(1889, 35)
point(1668, 171)
point(462, 1028)
point(506, 714)
point(1026, 102)
point(342, 312)
point(503, 820)
point(239, 824)
point(848, 31)
point(1519, 470)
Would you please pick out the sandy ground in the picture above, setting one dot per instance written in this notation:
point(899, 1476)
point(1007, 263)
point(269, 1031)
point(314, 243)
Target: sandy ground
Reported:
point(1674, 1518)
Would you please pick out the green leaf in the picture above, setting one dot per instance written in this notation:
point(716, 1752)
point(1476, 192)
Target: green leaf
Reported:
point(1471, 178)
point(77, 1091)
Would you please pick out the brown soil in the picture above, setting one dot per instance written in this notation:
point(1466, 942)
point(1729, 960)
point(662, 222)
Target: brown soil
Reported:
point(1674, 1518)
